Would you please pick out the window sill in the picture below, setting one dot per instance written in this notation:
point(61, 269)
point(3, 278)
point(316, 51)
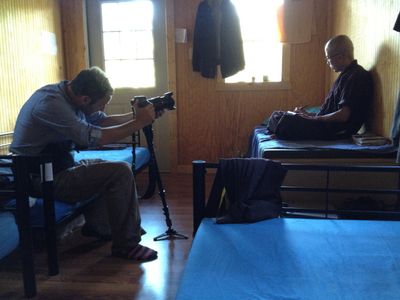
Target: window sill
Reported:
point(283, 85)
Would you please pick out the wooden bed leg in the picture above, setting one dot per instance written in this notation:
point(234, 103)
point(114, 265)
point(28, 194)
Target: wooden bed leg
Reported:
point(199, 186)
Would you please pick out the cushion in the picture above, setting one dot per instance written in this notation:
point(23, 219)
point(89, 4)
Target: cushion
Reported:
point(62, 210)
point(6, 177)
point(9, 235)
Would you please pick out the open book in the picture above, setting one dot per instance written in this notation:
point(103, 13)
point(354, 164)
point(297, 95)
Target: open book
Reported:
point(370, 139)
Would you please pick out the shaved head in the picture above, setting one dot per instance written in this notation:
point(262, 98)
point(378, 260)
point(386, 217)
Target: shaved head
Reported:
point(340, 44)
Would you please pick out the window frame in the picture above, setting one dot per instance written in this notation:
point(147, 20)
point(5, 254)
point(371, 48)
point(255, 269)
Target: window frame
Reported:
point(284, 84)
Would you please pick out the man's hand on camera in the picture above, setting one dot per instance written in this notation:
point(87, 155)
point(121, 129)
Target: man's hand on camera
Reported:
point(160, 113)
point(144, 115)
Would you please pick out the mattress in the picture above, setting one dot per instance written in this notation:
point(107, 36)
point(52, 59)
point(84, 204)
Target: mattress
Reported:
point(288, 258)
point(264, 145)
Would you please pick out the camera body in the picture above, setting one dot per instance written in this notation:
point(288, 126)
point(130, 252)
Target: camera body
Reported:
point(160, 103)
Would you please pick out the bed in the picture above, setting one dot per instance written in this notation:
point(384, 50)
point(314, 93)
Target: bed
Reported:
point(303, 254)
point(139, 160)
point(264, 145)
point(117, 152)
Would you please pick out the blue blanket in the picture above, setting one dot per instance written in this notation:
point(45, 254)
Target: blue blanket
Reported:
point(125, 154)
point(294, 259)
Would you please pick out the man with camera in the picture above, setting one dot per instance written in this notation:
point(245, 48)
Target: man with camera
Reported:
point(59, 116)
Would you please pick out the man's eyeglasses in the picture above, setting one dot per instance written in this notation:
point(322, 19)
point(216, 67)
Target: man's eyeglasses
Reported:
point(332, 56)
point(107, 97)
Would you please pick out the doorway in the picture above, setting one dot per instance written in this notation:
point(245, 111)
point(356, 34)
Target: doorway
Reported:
point(127, 39)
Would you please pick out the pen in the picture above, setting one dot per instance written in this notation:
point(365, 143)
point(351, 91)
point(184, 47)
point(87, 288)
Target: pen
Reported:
point(303, 107)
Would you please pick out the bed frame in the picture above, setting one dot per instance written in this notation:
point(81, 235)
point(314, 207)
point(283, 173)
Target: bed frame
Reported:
point(200, 168)
point(340, 151)
point(304, 254)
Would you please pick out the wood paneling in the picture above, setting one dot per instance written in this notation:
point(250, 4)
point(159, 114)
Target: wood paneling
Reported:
point(369, 24)
point(171, 64)
point(73, 14)
point(212, 124)
point(27, 60)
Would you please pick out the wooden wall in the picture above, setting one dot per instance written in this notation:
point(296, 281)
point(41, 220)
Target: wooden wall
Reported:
point(74, 34)
point(28, 58)
point(212, 124)
point(208, 123)
point(369, 23)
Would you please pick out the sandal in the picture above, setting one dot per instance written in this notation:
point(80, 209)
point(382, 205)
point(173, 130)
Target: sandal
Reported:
point(137, 253)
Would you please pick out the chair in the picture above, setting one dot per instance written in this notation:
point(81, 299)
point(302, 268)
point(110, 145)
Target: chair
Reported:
point(14, 179)
point(47, 213)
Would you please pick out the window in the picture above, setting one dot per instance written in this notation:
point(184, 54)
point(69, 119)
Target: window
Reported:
point(128, 43)
point(265, 56)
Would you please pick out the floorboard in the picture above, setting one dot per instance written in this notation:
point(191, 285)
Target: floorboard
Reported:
point(88, 272)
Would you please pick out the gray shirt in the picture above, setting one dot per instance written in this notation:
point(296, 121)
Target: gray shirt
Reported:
point(48, 117)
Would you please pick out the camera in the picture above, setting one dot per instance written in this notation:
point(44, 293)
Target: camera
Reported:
point(160, 103)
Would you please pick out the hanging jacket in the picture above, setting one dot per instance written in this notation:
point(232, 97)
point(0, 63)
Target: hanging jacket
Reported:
point(217, 40)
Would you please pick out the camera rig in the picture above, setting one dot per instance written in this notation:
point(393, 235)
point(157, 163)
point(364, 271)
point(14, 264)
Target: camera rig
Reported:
point(160, 102)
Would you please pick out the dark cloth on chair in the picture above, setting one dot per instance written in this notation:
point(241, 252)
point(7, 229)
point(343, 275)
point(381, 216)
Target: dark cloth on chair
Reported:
point(252, 186)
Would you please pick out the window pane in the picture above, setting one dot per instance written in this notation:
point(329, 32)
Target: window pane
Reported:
point(128, 43)
point(111, 42)
point(262, 49)
point(131, 73)
point(133, 15)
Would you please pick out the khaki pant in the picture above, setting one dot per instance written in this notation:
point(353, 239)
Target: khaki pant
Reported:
point(115, 206)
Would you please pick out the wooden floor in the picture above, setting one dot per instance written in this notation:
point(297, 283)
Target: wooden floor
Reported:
point(88, 272)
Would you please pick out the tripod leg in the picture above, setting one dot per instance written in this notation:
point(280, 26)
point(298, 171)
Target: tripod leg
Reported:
point(170, 233)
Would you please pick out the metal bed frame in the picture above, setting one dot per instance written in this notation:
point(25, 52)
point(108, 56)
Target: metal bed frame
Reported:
point(199, 191)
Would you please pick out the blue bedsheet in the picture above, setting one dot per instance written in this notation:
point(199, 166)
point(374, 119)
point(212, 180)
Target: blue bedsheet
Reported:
point(294, 259)
point(262, 141)
point(125, 154)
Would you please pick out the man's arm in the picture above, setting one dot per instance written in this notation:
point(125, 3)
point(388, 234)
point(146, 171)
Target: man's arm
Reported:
point(341, 115)
point(114, 120)
point(302, 110)
point(144, 116)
